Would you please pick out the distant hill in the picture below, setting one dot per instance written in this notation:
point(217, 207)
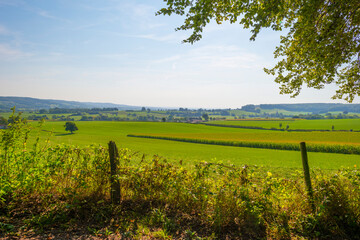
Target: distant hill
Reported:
point(308, 107)
point(26, 103)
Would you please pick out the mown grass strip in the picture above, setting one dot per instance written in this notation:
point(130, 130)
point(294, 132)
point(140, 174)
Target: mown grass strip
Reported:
point(343, 149)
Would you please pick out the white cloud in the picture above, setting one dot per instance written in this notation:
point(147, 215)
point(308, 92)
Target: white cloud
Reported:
point(219, 56)
point(216, 56)
point(4, 30)
point(46, 14)
point(168, 59)
point(141, 10)
point(173, 37)
point(7, 53)
point(114, 56)
point(141, 15)
point(11, 2)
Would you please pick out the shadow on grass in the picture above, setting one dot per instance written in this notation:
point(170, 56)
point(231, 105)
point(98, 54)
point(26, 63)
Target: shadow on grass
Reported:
point(63, 134)
point(58, 133)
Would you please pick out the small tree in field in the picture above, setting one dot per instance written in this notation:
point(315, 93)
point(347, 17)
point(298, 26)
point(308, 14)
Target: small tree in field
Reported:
point(205, 116)
point(70, 126)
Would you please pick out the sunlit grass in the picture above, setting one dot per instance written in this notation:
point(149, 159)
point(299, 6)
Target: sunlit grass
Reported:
point(100, 133)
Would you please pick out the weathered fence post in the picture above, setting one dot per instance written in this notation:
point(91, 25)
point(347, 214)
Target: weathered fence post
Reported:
point(307, 174)
point(114, 181)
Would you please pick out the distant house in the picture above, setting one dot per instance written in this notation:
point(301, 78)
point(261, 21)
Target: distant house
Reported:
point(3, 126)
point(195, 120)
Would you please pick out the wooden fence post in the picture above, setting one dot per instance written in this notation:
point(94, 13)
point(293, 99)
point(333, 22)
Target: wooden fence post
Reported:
point(307, 174)
point(114, 181)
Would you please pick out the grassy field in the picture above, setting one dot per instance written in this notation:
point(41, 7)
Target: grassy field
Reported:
point(49, 187)
point(323, 124)
point(102, 132)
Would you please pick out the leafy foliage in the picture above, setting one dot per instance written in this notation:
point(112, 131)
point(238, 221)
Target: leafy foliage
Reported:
point(70, 126)
point(322, 44)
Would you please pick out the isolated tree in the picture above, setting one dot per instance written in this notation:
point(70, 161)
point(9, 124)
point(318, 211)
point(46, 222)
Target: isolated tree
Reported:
point(205, 116)
point(70, 126)
point(322, 44)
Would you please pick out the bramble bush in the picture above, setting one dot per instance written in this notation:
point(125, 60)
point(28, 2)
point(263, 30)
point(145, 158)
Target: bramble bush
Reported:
point(62, 186)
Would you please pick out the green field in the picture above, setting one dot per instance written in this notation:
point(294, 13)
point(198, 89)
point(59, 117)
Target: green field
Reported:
point(102, 132)
point(328, 138)
point(43, 188)
point(322, 124)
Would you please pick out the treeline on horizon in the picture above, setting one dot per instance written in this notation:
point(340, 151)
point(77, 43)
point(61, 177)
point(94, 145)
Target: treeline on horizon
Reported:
point(34, 104)
point(306, 107)
point(315, 108)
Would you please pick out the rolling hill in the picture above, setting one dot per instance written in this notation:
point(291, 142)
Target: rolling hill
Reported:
point(27, 103)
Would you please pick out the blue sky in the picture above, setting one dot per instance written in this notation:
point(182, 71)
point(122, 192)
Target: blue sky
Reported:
point(118, 51)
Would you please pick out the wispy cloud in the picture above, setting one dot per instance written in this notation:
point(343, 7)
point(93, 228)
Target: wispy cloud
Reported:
point(136, 14)
point(8, 53)
point(4, 31)
point(11, 2)
point(144, 16)
point(168, 59)
point(173, 37)
point(48, 15)
point(216, 56)
point(28, 7)
point(114, 56)
point(220, 56)
point(45, 14)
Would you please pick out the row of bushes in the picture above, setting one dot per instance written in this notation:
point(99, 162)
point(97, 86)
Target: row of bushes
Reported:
point(344, 149)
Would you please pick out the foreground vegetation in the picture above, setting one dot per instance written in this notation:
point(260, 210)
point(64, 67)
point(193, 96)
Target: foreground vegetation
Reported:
point(47, 187)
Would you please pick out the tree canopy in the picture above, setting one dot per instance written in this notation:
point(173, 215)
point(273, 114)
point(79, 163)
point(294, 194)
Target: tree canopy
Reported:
point(321, 45)
point(70, 126)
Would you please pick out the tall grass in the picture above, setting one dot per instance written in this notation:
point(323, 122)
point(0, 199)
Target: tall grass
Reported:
point(64, 186)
